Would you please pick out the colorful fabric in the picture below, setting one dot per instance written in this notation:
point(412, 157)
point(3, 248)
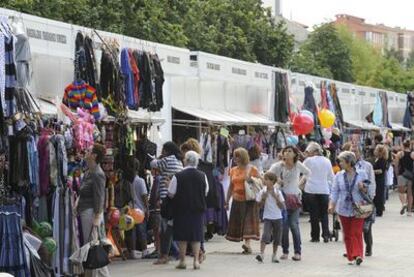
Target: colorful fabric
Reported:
point(244, 221)
point(81, 95)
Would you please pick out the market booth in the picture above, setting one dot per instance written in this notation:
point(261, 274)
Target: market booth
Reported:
point(46, 182)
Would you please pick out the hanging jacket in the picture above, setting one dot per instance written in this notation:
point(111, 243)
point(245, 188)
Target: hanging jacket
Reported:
point(128, 75)
point(158, 77)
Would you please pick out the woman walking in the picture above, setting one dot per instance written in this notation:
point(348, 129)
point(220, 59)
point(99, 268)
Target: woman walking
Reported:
point(348, 188)
point(380, 170)
point(405, 177)
point(292, 175)
point(189, 189)
point(168, 165)
point(317, 188)
point(244, 215)
point(92, 201)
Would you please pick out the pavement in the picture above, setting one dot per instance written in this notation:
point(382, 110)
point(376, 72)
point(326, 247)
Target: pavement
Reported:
point(393, 255)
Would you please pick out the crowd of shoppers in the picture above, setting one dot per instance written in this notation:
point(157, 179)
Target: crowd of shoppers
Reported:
point(184, 191)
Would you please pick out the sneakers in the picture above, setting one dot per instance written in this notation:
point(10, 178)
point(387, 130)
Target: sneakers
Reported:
point(358, 261)
point(274, 259)
point(259, 258)
point(409, 214)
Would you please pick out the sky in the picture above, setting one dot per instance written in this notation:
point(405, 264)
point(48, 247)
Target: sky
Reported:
point(312, 12)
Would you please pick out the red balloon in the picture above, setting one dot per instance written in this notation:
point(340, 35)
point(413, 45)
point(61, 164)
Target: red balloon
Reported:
point(302, 124)
point(113, 217)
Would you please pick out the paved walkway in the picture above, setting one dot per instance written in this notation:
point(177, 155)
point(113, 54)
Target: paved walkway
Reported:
point(393, 255)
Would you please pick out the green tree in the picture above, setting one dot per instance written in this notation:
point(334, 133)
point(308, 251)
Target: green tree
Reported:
point(324, 54)
point(410, 60)
point(240, 29)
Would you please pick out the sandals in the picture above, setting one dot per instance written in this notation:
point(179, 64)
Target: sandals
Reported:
point(246, 250)
point(181, 266)
point(161, 261)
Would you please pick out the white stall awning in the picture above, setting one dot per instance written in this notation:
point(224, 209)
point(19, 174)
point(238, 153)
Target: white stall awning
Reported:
point(362, 124)
point(399, 127)
point(46, 108)
point(143, 116)
point(227, 117)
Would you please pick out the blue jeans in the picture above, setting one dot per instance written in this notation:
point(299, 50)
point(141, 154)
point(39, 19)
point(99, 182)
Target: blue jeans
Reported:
point(291, 223)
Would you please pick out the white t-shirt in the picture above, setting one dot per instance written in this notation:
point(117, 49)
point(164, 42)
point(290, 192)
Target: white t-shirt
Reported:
point(321, 175)
point(271, 210)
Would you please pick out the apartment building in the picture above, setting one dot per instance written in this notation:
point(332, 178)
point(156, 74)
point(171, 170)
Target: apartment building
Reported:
point(380, 36)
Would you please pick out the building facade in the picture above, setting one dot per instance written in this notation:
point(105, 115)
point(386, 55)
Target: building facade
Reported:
point(380, 36)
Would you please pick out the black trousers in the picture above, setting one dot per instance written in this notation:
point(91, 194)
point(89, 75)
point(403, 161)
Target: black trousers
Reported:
point(368, 236)
point(318, 208)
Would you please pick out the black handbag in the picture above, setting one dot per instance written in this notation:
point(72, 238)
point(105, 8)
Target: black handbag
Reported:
point(166, 208)
point(97, 255)
point(408, 174)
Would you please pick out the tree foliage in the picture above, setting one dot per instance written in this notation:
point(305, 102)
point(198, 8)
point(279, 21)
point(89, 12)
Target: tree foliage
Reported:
point(324, 54)
point(240, 29)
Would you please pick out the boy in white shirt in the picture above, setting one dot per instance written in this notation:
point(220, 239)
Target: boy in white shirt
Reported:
point(272, 199)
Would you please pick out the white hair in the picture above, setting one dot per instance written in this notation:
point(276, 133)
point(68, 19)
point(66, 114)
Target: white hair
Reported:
point(191, 158)
point(314, 147)
point(348, 157)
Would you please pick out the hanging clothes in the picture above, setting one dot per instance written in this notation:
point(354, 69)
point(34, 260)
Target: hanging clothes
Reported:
point(128, 78)
point(205, 142)
point(135, 73)
point(339, 121)
point(12, 253)
point(377, 116)
point(23, 58)
point(281, 106)
point(157, 82)
point(11, 78)
point(81, 95)
point(409, 112)
point(310, 105)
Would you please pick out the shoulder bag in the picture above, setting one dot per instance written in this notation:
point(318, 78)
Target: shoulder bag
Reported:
point(252, 186)
point(292, 201)
point(364, 208)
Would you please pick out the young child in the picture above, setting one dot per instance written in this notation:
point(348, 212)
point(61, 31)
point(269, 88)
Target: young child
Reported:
point(274, 203)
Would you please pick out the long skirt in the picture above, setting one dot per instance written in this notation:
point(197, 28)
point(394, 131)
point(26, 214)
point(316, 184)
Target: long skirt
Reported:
point(244, 221)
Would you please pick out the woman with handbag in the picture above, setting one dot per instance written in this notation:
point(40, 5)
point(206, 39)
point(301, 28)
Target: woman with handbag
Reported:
point(348, 197)
point(292, 176)
point(405, 177)
point(244, 214)
point(380, 170)
point(92, 201)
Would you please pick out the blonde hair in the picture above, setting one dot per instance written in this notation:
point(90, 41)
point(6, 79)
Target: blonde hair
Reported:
point(381, 151)
point(243, 155)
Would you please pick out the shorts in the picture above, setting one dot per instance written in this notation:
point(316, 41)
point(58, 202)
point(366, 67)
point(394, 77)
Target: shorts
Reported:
point(402, 181)
point(272, 230)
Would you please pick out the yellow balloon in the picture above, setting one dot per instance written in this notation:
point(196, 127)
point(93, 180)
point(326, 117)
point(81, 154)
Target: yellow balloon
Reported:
point(326, 118)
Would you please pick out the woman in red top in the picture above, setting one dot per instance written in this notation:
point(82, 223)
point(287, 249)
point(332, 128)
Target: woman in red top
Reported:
point(244, 215)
